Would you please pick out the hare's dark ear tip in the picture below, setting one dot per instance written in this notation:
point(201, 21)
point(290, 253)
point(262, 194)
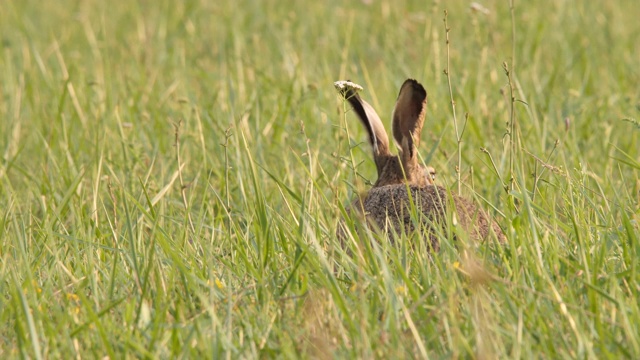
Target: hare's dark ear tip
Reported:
point(416, 86)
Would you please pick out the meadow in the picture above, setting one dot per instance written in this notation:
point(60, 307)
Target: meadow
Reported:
point(172, 174)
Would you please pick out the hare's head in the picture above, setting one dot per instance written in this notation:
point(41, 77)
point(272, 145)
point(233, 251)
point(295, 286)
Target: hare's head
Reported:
point(408, 119)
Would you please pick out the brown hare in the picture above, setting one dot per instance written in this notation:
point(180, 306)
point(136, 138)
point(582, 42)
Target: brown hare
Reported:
point(403, 181)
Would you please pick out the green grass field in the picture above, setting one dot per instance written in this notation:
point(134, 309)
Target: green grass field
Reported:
point(172, 174)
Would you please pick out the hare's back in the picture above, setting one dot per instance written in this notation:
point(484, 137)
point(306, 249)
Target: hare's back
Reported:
point(392, 207)
point(392, 200)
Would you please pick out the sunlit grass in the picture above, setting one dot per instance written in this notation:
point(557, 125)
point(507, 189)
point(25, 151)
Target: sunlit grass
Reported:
point(172, 175)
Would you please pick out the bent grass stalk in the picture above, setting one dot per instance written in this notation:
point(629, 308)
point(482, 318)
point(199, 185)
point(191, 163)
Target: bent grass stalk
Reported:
point(458, 133)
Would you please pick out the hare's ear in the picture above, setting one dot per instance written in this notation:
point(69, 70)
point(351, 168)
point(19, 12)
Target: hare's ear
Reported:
point(408, 119)
point(371, 121)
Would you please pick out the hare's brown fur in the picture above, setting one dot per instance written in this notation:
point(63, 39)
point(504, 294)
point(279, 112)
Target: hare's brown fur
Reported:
point(389, 207)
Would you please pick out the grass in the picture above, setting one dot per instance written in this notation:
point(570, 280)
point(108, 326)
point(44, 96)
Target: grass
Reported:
point(172, 175)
